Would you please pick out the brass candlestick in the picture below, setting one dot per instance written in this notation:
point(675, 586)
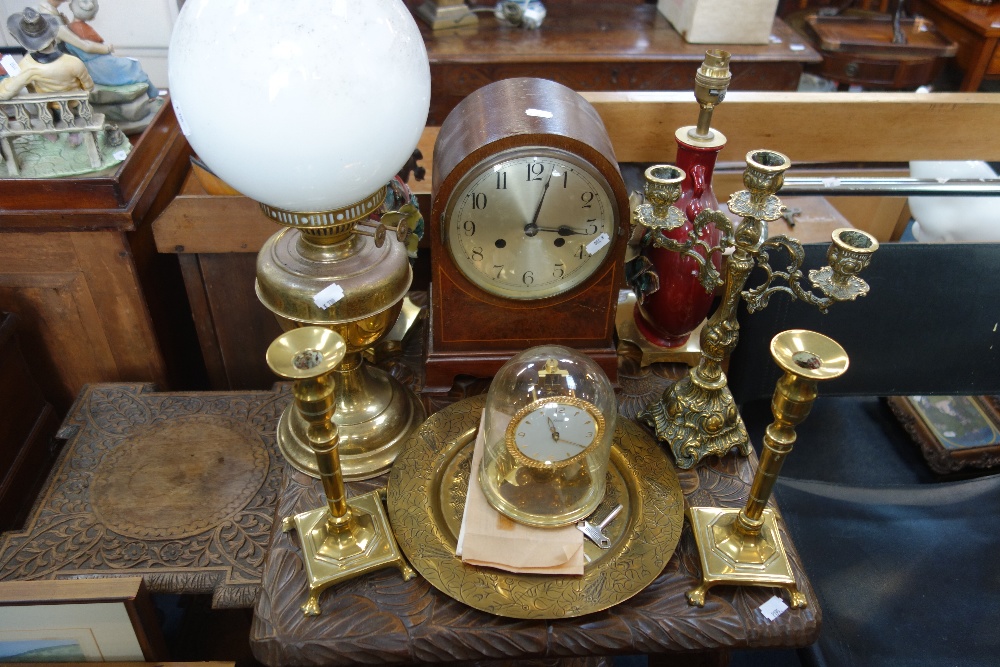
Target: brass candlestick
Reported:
point(697, 415)
point(344, 539)
point(743, 546)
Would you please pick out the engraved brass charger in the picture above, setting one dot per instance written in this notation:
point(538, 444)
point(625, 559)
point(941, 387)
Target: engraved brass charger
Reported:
point(426, 498)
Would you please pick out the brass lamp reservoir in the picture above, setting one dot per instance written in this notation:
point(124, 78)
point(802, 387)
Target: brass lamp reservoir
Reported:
point(325, 270)
point(550, 421)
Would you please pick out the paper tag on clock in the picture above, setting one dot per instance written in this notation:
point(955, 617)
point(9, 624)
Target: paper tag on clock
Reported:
point(598, 243)
point(328, 296)
point(10, 65)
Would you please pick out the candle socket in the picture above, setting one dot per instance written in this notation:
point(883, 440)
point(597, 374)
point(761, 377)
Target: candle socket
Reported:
point(345, 539)
point(743, 546)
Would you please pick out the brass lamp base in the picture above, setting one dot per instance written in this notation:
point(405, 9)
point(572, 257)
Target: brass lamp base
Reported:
point(364, 546)
point(373, 428)
point(730, 557)
point(689, 353)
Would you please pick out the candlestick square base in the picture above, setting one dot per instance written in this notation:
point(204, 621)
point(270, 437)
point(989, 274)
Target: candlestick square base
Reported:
point(362, 556)
point(730, 557)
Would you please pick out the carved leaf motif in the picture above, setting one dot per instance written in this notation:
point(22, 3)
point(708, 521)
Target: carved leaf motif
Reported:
point(115, 410)
point(42, 554)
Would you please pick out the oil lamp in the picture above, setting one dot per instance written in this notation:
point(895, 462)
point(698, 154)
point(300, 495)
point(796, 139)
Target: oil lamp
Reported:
point(310, 108)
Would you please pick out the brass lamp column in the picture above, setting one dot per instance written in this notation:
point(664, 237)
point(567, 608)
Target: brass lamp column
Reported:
point(743, 546)
point(344, 539)
point(324, 270)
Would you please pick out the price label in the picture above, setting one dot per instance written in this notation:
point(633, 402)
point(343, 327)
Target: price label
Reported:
point(328, 296)
point(10, 65)
point(773, 608)
point(185, 129)
point(598, 243)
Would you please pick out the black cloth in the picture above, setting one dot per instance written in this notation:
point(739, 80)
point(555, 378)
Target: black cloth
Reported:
point(906, 575)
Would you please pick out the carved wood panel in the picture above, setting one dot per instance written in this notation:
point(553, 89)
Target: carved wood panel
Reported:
point(178, 488)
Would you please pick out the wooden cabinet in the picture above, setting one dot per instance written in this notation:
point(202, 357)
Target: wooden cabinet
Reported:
point(976, 30)
point(78, 264)
point(597, 46)
point(27, 428)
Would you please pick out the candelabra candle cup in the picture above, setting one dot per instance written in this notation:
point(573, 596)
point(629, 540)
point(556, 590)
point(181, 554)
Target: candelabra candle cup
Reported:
point(849, 254)
point(743, 546)
point(765, 172)
point(663, 188)
point(344, 539)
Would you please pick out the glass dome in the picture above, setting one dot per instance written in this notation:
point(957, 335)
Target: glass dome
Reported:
point(303, 106)
point(550, 423)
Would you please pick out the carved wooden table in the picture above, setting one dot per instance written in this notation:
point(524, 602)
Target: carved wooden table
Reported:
point(591, 46)
point(382, 619)
point(179, 488)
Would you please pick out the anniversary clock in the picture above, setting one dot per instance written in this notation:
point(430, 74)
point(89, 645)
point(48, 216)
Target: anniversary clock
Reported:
point(549, 426)
point(528, 231)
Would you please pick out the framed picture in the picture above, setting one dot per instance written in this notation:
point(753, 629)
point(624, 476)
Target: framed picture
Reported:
point(79, 620)
point(954, 432)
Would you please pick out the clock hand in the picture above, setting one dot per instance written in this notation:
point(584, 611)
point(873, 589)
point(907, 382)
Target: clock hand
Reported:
point(531, 228)
point(575, 444)
point(562, 230)
point(552, 427)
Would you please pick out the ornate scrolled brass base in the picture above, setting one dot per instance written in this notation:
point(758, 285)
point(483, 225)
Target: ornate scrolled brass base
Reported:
point(697, 419)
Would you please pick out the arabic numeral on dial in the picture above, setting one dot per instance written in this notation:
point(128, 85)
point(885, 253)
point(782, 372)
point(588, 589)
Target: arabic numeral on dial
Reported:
point(587, 198)
point(478, 200)
point(559, 271)
point(535, 171)
point(565, 178)
point(580, 251)
point(469, 227)
point(528, 277)
point(477, 254)
point(591, 228)
point(499, 269)
point(501, 180)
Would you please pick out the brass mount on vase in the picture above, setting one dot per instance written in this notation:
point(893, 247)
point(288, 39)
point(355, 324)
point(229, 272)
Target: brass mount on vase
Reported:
point(342, 270)
point(697, 415)
point(344, 539)
point(710, 85)
point(743, 546)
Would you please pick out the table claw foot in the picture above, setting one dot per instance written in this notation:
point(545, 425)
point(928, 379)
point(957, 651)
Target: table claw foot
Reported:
point(311, 607)
point(287, 524)
point(696, 596)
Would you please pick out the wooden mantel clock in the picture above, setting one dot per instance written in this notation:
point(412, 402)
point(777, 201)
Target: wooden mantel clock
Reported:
point(529, 223)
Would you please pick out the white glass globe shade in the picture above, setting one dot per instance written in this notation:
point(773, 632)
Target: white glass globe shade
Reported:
point(304, 106)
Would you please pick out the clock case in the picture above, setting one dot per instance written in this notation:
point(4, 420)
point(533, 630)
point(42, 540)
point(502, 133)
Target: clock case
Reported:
point(474, 332)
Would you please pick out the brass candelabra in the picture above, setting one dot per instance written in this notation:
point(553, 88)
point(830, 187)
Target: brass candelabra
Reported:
point(743, 546)
point(697, 416)
point(345, 539)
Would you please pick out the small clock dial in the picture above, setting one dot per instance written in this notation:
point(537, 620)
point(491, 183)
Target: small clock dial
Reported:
point(530, 223)
point(553, 431)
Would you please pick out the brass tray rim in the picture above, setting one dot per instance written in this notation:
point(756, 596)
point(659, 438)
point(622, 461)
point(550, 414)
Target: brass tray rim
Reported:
point(631, 550)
